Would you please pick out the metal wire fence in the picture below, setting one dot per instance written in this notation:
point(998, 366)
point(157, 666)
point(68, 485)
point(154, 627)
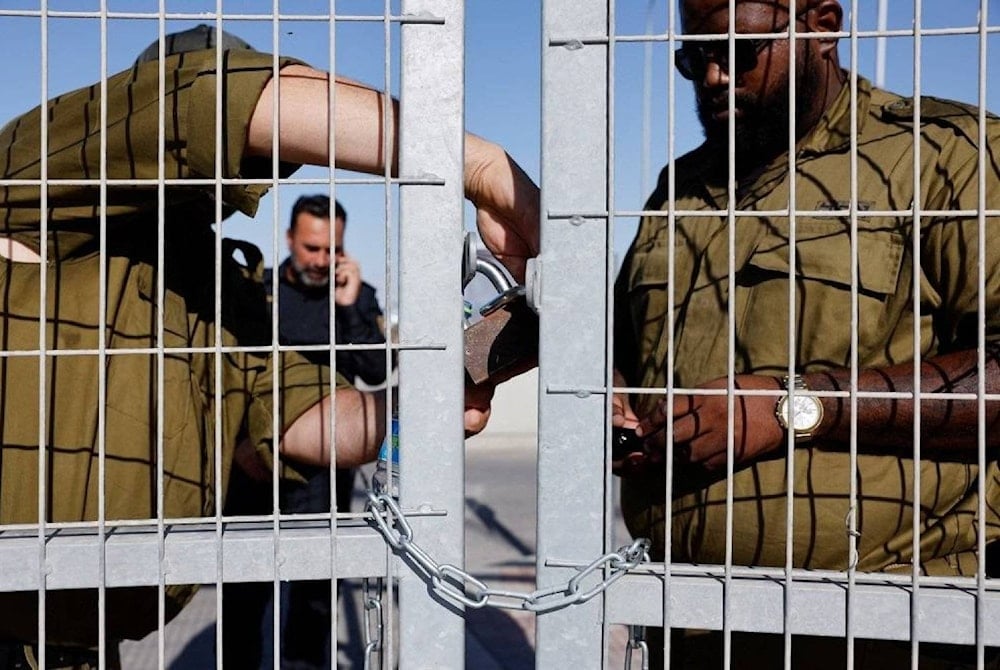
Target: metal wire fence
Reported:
point(585, 583)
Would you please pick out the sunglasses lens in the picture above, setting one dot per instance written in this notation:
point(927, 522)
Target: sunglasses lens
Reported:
point(691, 59)
point(746, 56)
point(684, 60)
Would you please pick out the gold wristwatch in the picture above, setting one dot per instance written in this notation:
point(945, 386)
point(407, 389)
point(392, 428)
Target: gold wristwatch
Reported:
point(807, 410)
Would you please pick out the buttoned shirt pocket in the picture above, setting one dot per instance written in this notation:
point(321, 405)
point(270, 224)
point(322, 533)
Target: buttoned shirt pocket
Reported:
point(823, 281)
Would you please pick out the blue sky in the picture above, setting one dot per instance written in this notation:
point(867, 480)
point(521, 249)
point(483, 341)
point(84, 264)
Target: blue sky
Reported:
point(503, 63)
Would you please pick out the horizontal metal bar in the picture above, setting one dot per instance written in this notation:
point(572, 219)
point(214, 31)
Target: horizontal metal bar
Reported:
point(946, 608)
point(177, 522)
point(59, 353)
point(423, 19)
point(248, 554)
point(816, 213)
point(603, 40)
point(584, 391)
point(423, 180)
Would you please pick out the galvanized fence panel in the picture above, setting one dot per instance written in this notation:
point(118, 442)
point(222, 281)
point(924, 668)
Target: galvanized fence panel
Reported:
point(579, 52)
point(161, 551)
point(575, 272)
point(573, 363)
point(431, 236)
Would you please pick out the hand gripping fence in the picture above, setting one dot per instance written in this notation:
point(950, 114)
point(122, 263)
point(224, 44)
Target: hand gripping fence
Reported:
point(458, 586)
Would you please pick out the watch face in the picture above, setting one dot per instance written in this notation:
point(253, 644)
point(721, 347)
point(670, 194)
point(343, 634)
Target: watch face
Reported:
point(806, 413)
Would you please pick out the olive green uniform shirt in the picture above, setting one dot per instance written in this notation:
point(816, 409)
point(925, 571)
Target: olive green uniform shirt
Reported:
point(190, 392)
point(948, 320)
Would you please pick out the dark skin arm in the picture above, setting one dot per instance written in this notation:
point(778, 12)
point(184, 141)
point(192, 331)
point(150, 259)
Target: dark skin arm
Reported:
point(948, 427)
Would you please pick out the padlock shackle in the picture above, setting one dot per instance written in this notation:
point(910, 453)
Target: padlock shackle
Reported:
point(495, 274)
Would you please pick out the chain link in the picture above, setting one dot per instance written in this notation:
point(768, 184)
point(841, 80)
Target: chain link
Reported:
point(373, 623)
point(458, 586)
point(637, 642)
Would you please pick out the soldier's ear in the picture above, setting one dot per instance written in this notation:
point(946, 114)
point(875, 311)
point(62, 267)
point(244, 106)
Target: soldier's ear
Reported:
point(825, 16)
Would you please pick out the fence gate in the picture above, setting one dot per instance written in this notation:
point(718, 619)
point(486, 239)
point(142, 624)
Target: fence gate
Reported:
point(576, 505)
point(421, 46)
point(580, 49)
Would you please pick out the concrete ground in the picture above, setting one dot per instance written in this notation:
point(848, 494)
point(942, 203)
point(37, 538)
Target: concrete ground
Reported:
point(500, 549)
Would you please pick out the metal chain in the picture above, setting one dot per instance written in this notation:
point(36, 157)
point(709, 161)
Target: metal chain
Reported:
point(458, 586)
point(637, 642)
point(373, 623)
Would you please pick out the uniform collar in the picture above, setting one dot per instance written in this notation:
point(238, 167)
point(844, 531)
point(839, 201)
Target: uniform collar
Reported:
point(833, 131)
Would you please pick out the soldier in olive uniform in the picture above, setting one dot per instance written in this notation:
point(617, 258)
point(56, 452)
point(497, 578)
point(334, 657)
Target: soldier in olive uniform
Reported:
point(109, 301)
point(916, 271)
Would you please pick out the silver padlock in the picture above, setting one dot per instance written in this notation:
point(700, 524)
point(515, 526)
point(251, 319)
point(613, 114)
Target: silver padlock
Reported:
point(493, 270)
point(504, 343)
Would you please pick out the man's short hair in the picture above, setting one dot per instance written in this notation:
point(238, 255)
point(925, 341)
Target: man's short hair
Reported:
point(318, 206)
point(200, 37)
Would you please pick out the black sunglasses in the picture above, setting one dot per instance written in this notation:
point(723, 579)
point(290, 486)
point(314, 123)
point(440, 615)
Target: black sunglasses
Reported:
point(692, 58)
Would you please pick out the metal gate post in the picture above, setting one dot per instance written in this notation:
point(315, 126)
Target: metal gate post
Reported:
point(571, 481)
point(432, 634)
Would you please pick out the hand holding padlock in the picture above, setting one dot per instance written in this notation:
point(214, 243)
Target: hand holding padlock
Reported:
point(504, 343)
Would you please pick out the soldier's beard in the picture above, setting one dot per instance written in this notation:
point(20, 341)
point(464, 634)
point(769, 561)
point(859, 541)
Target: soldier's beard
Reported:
point(306, 279)
point(762, 127)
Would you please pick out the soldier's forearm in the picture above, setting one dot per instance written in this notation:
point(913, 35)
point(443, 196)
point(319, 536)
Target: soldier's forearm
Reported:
point(946, 424)
point(359, 429)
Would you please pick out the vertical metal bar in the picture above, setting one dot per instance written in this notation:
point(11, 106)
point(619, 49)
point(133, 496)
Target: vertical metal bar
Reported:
point(880, 41)
point(217, 343)
point(430, 309)
point(277, 428)
point(332, 472)
point(43, 301)
point(647, 102)
point(161, 212)
point(981, 362)
point(102, 358)
point(574, 178)
point(390, 269)
point(852, 521)
point(389, 630)
point(668, 494)
point(727, 626)
point(609, 273)
point(917, 359)
point(391, 303)
point(792, 330)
